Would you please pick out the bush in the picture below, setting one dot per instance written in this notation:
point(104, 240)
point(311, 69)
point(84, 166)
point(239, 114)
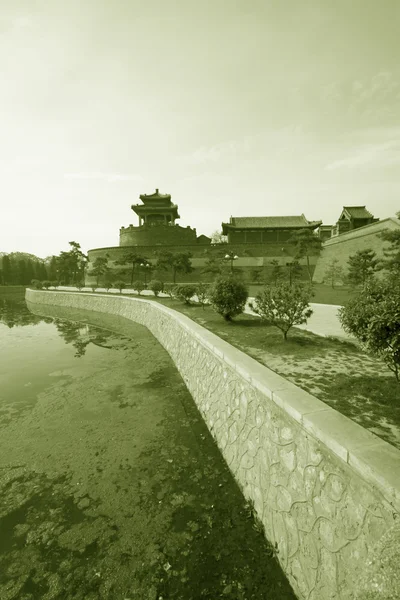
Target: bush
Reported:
point(185, 292)
point(55, 284)
point(283, 306)
point(79, 285)
point(373, 317)
point(155, 286)
point(170, 289)
point(93, 287)
point(202, 293)
point(119, 285)
point(228, 297)
point(108, 285)
point(46, 284)
point(138, 286)
point(37, 284)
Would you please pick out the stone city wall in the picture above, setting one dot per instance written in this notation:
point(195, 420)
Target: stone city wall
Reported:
point(325, 489)
point(346, 244)
point(166, 235)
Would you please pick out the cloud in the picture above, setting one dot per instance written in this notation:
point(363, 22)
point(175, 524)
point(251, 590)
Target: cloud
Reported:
point(109, 177)
point(370, 155)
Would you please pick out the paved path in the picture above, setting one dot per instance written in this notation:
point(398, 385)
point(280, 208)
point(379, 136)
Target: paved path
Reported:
point(324, 320)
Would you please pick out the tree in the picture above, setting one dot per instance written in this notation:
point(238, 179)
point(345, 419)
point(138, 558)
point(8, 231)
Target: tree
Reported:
point(138, 286)
point(277, 272)
point(155, 286)
point(391, 262)
point(218, 238)
point(52, 268)
point(202, 293)
point(373, 317)
point(119, 285)
point(333, 272)
point(283, 306)
point(6, 265)
point(228, 297)
point(179, 263)
point(306, 244)
point(133, 260)
point(71, 264)
point(185, 292)
point(100, 267)
point(361, 266)
point(213, 266)
point(294, 270)
point(256, 275)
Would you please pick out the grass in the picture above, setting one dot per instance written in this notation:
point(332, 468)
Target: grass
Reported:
point(324, 294)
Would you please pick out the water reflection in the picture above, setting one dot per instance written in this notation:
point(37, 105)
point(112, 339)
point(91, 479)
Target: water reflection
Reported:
point(15, 313)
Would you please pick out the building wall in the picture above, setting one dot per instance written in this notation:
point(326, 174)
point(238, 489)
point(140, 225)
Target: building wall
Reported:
point(161, 234)
point(325, 489)
point(343, 246)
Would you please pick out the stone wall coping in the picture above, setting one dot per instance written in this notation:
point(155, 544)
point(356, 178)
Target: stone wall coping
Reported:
point(374, 459)
point(359, 232)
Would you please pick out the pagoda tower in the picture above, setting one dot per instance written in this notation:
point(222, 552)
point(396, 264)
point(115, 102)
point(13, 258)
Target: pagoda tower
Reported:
point(157, 209)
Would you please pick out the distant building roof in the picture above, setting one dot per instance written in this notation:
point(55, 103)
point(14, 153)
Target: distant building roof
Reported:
point(155, 196)
point(357, 212)
point(290, 222)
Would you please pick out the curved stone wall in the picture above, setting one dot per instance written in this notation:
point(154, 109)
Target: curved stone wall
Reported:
point(325, 489)
point(168, 235)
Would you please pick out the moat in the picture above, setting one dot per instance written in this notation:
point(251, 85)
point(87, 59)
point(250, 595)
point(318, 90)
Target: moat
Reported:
point(111, 486)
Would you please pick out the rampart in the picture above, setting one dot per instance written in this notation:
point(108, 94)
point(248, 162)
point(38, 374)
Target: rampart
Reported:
point(346, 244)
point(325, 489)
point(163, 235)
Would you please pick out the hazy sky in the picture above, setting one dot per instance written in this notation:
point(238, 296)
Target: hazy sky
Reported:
point(234, 107)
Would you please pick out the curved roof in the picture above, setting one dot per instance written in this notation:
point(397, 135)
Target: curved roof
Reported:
point(155, 196)
point(279, 222)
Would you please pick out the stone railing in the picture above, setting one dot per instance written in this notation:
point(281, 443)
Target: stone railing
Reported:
point(325, 489)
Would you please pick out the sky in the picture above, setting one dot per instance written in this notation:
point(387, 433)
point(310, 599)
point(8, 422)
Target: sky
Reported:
point(234, 107)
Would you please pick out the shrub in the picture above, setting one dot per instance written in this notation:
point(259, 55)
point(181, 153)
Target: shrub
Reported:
point(93, 287)
point(119, 285)
point(37, 284)
point(283, 306)
point(170, 289)
point(185, 292)
point(138, 286)
point(46, 284)
point(79, 285)
point(55, 284)
point(155, 285)
point(202, 293)
point(228, 297)
point(373, 317)
point(107, 285)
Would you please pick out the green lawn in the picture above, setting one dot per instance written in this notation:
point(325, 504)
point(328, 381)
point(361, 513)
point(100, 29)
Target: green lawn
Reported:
point(324, 294)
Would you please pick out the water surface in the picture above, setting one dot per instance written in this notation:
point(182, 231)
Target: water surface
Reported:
point(111, 486)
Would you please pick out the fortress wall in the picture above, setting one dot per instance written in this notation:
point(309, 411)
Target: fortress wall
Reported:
point(325, 489)
point(166, 235)
point(346, 244)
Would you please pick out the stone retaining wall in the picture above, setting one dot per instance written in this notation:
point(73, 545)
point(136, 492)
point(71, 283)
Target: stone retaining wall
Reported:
point(325, 489)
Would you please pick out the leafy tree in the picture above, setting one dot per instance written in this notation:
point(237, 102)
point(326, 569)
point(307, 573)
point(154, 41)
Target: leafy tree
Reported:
point(277, 272)
point(213, 266)
point(79, 285)
point(361, 266)
point(333, 272)
point(6, 266)
point(306, 244)
point(373, 317)
point(55, 284)
point(71, 264)
point(52, 268)
point(217, 237)
point(256, 275)
point(170, 289)
point(108, 284)
point(185, 292)
point(119, 285)
point(37, 284)
point(391, 262)
point(46, 284)
point(179, 263)
point(283, 306)
point(100, 267)
point(138, 286)
point(294, 270)
point(133, 260)
point(228, 297)
point(155, 286)
point(202, 293)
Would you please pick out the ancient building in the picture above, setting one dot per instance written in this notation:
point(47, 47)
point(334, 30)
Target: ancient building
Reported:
point(157, 227)
point(352, 217)
point(265, 230)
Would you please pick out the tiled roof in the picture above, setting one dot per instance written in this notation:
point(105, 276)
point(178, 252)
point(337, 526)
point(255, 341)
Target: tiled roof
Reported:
point(271, 222)
point(358, 212)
